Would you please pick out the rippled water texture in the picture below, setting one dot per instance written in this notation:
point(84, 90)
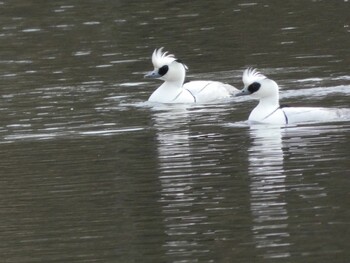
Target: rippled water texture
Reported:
point(91, 172)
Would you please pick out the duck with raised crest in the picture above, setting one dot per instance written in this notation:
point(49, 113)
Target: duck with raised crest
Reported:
point(269, 110)
point(175, 90)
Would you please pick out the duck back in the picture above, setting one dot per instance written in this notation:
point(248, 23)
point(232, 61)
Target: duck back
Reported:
point(209, 91)
point(315, 114)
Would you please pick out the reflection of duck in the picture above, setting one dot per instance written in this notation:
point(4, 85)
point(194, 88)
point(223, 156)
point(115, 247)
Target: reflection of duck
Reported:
point(172, 140)
point(266, 150)
point(174, 90)
point(176, 177)
point(269, 110)
point(267, 190)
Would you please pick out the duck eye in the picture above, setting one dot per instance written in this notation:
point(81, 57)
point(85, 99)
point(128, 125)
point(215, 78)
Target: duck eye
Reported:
point(163, 70)
point(255, 86)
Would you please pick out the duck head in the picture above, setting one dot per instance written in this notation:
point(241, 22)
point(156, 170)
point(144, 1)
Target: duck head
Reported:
point(258, 86)
point(167, 67)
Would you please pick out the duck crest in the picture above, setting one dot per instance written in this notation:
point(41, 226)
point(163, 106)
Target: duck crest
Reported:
point(251, 75)
point(160, 58)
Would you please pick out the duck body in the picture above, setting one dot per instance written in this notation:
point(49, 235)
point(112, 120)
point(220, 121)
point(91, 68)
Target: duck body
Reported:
point(174, 90)
point(269, 110)
point(294, 115)
point(315, 114)
point(198, 91)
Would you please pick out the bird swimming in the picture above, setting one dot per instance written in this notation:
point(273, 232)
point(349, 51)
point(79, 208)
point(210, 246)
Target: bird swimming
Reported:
point(174, 89)
point(269, 109)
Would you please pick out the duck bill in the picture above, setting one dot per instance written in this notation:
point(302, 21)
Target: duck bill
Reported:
point(153, 75)
point(243, 92)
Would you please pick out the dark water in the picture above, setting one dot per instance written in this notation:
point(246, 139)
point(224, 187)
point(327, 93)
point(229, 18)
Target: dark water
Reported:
point(92, 173)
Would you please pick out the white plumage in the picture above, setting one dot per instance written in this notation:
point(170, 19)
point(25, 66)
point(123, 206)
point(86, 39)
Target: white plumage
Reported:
point(251, 75)
point(174, 90)
point(160, 58)
point(269, 110)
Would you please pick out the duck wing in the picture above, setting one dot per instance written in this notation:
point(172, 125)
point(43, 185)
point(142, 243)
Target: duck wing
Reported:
point(315, 114)
point(210, 91)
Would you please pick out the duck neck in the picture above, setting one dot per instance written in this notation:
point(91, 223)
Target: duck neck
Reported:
point(177, 78)
point(167, 91)
point(171, 86)
point(265, 108)
point(270, 102)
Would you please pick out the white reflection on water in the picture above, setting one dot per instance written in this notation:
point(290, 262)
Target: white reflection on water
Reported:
point(279, 160)
point(175, 167)
point(267, 190)
point(185, 194)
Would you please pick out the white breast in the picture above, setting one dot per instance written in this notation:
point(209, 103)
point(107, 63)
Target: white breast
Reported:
point(273, 115)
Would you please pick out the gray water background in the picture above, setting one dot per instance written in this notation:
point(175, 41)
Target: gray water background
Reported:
point(90, 172)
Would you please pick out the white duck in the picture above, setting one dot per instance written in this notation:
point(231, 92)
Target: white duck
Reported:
point(174, 90)
point(269, 110)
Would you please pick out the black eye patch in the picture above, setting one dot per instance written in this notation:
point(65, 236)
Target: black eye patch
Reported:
point(254, 87)
point(163, 70)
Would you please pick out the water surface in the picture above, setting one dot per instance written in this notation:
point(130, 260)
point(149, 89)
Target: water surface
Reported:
point(91, 172)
